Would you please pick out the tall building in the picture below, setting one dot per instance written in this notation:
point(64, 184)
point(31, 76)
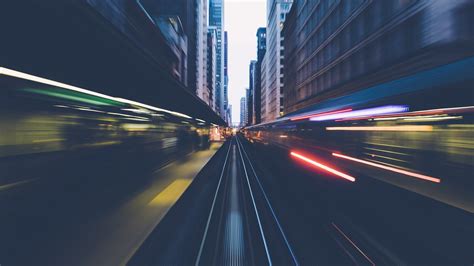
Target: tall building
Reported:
point(243, 111)
point(226, 76)
point(216, 19)
point(337, 47)
point(276, 14)
point(257, 93)
point(211, 64)
point(250, 91)
point(202, 90)
point(228, 115)
point(264, 85)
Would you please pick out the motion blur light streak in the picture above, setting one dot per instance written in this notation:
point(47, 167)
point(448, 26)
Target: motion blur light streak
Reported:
point(89, 110)
point(321, 114)
point(364, 112)
point(428, 113)
point(153, 107)
point(352, 243)
point(73, 96)
point(96, 101)
point(324, 167)
point(431, 118)
point(21, 75)
point(452, 110)
point(138, 111)
point(420, 176)
point(384, 128)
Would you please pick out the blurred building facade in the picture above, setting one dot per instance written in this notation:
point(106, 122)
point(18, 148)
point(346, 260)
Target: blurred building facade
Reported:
point(176, 39)
point(159, 32)
point(174, 34)
point(272, 92)
point(251, 91)
point(335, 47)
point(193, 16)
point(163, 13)
point(257, 94)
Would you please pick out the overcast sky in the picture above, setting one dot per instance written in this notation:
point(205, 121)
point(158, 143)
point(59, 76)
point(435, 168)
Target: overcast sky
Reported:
point(242, 18)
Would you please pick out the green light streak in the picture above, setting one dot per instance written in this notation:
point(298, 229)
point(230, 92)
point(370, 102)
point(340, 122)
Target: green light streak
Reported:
point(74, 96)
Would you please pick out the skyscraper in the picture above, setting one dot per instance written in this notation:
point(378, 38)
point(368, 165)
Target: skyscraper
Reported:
point(202, 90)
point(226, 76)
point(264, 86)
point(216, 19)
point(276, 13)
point(228, 115)
point(257, 94)
point(250, 91)
point(211, 64)
point(243, 111)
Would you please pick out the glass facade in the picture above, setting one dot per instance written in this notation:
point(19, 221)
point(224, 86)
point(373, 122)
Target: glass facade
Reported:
point(216, 19)
point(272, 93)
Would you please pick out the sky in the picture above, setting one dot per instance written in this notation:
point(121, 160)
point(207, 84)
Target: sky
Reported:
point(242, 18)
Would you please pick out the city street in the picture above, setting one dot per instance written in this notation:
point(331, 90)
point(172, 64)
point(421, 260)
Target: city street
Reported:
point(236, 132)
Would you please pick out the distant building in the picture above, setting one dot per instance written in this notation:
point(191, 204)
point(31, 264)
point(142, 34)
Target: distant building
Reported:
point(336, 47)
point(243, 111)
point(250, 91)
point(216, 19)
point(272, 92)
point(211, 64)
point(257, 93)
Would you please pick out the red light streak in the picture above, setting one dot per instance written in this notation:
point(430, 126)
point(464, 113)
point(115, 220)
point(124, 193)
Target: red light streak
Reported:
point(393, 169)
point(320, 114)
point(322, 166)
